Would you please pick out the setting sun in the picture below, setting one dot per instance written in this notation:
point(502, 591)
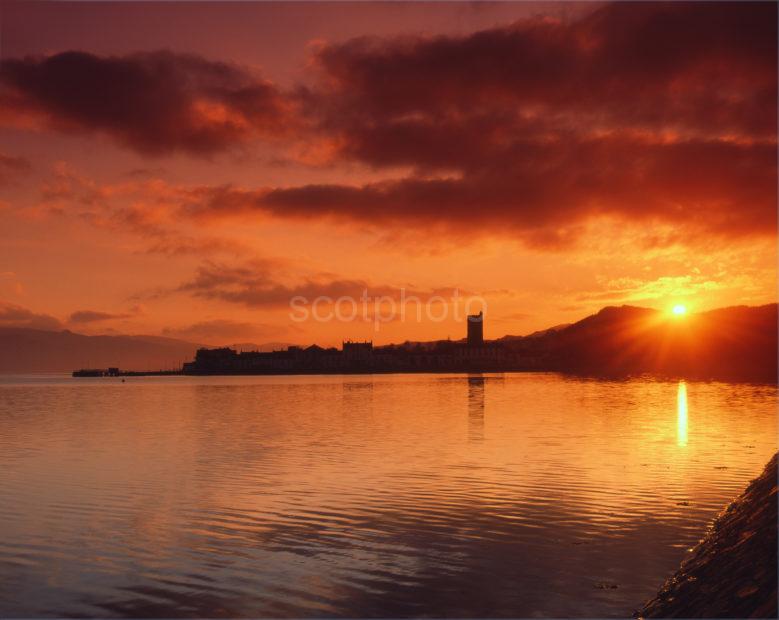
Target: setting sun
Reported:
point(679, 309)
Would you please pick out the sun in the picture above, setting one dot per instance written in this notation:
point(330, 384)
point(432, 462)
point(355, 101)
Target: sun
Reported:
point(679, 309)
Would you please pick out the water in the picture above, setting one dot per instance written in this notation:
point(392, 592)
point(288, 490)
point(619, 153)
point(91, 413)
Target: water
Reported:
point(405, 495)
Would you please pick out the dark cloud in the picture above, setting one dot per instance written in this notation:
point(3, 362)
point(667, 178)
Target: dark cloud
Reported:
point(700, 68)
point(12, 315)
point(93, 316)
point(12, 167)
point(262, 284)
point(256, 285)
point(156, 102)
point(145, 173)
point(717, 187)
point(15, 164)
point(642, 112)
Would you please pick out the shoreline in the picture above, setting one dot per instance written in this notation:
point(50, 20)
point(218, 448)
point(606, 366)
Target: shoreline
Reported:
point(732, 571)
point(426, 371)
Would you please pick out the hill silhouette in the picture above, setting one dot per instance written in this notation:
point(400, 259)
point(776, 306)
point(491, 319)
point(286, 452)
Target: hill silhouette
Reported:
point(735, 343)
point(35, 350)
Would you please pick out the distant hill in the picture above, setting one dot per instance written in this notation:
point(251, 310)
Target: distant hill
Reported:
point(736, 343)
point(34, 350)
point(536, 334)
point(265, 347)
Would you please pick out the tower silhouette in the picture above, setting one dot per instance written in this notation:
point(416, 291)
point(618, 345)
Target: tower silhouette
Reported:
point(476, 329)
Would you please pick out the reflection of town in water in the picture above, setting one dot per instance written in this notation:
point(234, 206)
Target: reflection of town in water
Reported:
point(476, 385)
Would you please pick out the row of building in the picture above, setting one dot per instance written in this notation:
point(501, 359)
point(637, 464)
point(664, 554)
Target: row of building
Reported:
point(471, 355)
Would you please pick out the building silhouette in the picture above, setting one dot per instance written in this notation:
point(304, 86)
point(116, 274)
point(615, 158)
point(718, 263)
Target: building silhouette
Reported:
point(357, 351)
point(471, 354)
point(476, 330)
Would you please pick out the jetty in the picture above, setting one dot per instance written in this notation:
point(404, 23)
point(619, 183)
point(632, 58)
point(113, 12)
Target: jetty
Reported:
point(115, 372)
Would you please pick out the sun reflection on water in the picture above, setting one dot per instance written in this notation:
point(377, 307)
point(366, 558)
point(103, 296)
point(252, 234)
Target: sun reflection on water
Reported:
point(681, 414)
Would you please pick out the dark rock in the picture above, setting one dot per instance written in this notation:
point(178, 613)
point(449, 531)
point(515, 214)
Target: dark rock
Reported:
point(732, 572)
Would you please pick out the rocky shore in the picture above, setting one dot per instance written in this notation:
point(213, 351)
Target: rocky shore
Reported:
point(732, 572)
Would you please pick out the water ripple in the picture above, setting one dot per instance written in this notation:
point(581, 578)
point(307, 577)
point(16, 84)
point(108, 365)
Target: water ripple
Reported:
point(420, 495)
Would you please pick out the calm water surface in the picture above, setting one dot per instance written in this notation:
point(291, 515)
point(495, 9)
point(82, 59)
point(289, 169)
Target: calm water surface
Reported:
point(406, 495)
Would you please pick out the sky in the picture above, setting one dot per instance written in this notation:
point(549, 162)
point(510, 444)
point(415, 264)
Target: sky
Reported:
point(209, 171)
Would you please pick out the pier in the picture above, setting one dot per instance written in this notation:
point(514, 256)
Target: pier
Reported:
point(115, 372)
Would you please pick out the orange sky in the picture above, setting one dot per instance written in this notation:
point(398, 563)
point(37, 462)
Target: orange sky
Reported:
point(186, 169)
